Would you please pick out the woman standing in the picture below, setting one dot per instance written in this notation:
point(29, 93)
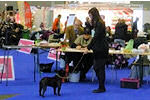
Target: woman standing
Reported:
point(100, 48)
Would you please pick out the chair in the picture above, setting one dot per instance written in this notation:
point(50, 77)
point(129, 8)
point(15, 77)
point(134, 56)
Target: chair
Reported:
point(141, 68)
point(114, 73)
point(113, 70)
point(110, 61)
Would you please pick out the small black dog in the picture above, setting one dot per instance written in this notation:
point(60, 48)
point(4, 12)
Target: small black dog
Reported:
point(46, 67)
point(54, 82)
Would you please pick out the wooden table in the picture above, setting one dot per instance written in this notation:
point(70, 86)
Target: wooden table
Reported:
point(36, 60)
point(112, 51)
point(57, 46)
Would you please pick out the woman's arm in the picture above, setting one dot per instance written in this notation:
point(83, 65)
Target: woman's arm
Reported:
point(99, 34)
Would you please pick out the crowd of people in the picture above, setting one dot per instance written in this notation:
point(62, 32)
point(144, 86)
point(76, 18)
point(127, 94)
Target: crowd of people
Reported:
point(94, 36)
point(80, 38)
point(10, 31)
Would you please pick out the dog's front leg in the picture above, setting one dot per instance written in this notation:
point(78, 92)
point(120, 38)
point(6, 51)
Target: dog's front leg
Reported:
point(40, 90)
point(54, 91)
point(44, 89)
point(58, 91)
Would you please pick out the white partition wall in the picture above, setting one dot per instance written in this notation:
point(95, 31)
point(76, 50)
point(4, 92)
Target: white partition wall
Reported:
point(111, 16)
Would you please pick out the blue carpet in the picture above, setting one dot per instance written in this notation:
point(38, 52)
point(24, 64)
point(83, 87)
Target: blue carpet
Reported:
point(26, 89)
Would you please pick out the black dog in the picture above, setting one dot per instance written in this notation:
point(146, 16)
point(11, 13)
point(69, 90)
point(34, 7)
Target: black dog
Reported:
point(46, 67)
point(54, 82)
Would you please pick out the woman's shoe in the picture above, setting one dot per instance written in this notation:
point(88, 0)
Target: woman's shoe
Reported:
point(99, 90)
point(83, 78)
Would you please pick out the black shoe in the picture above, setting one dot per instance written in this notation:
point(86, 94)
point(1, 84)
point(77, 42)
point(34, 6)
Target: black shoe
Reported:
point(82, 78)
point(99, 90)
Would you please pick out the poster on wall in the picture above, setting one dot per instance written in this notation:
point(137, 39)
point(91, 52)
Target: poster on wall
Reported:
point(71, 19)
point(52, 54)
point(25, 42)
point(9, 71)
point(125, 14)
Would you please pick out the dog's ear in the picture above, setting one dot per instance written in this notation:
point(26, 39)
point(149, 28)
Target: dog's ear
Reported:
point(52, 63)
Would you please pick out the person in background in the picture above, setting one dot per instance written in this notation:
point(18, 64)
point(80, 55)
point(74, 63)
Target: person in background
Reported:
point(135, 69)
point(42, 26)
point(73, 31)
point(100, 48)
point(88, 23)
point(3, 14)
point(66, 24)
point(0, 17)
point(16, 34)
point(56, 24)
point(80, 43)
point(134, 26)
point(121, 32)
point(80, 22)
point(109, 34)
point(108, 31)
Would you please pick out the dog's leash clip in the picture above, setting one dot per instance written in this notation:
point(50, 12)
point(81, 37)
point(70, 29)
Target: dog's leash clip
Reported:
point(61, 76)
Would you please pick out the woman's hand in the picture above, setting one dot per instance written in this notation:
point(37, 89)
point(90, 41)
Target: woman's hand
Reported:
point(85, 50)
point(78, 47)
point(14, 36)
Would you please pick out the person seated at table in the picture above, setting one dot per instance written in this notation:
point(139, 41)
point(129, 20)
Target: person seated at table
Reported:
point(135, 69)
point(15, 36)
point(73, 31)
point(120, 32)
point(109, 34)
point(87, 61)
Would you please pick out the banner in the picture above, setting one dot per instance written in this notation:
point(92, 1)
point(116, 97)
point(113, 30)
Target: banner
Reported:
point(52, 54)
point(10, 73)
point(71, 19)
point(28, 15)
point(25, 42)
point(25, 14)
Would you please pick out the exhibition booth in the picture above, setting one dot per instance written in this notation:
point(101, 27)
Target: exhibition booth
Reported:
point(43, 53)
point(110, 12)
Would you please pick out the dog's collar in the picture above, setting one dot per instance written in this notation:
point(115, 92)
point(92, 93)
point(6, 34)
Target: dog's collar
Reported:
point(61, 76)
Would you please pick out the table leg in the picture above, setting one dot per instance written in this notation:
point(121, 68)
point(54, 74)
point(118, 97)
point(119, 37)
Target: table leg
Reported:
point(7, 72)
point(34, 67)
point(37, 60)
point(141, 71)
point(3, 66)
point(56, 61)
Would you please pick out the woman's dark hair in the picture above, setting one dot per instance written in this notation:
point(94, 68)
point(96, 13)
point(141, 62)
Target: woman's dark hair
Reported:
point(87, 30)
point(96, 16)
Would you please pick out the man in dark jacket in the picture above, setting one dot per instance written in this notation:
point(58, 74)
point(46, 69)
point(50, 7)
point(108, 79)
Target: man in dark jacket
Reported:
point(15, 36)
point(121, 30)
point(134, 26)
